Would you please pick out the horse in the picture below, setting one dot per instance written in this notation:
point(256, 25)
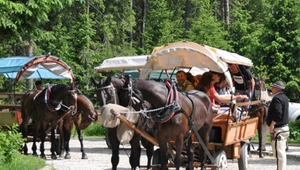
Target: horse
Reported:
point(108, 91)
point(177, 114)
point(46, 108)
point(260, 111)
point(85, 115)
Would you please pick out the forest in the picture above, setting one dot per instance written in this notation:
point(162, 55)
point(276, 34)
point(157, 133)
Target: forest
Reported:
point(85, 32)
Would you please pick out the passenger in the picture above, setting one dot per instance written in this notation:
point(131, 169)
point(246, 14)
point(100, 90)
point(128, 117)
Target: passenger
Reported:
point(206, 85)
point(192, 79)
point(222, 86)
point(182, 83)
point(242, 80)
point(39, 85)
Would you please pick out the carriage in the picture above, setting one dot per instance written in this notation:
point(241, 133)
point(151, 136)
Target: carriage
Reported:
point(17, 68)
point(228, 137)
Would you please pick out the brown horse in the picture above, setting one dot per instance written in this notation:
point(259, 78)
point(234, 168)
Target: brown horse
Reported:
point(109, 90)
point(260, 111)
point(85, 115)
point(46, 108)
point(176, 115)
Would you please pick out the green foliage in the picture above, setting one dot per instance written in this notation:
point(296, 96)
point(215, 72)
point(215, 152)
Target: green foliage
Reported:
point(20, 161)
point(94, 129)
point(294, 130)
point(10, 143)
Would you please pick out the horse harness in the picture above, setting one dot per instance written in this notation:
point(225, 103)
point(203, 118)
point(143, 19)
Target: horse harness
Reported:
point(60, 105)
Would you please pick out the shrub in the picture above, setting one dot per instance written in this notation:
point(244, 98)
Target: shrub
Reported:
point(10, 142)
point(94, 130)
point(294, 129)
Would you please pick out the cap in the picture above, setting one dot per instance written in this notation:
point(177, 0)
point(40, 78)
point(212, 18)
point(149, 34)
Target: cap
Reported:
point(279, 84)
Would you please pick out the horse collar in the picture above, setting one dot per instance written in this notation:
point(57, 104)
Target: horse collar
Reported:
point(49, 106)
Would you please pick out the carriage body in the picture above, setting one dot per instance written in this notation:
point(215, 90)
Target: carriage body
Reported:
point(227, 136)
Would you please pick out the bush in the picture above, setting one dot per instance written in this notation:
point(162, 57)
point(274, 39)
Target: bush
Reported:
point(10, 143)
point(294, 129)
point(94, 130)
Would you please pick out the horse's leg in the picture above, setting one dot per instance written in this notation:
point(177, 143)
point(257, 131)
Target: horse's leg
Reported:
point(35, 135)
point(204, 133)
point(80, 138)
point(53, 149)
point(135, 151)
point(149, 149)
point(115, 143)
point(190, 153)
point(179, 145)
point(24, 130)
point(60, 131)
point(42, 138)
point(162, 142)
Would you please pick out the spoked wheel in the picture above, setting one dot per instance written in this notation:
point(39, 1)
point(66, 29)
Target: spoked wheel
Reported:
point(221, 160)
point(243, 161)
point(156, 159)
point(107, 140)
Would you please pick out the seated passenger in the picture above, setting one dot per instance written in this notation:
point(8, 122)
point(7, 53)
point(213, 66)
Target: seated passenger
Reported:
point(39, 85)
point(206, 85)
point(182, 83)
point(192, 79)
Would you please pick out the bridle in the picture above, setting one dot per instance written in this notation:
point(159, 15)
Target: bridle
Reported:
point(104, 93)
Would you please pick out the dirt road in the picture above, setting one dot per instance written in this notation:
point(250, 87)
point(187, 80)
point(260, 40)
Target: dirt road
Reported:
point(99, 158)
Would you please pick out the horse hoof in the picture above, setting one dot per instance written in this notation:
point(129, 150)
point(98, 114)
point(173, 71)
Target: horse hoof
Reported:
point(34, 154)
point(261, 156)
point(67, 156)
point(43, 156)
point(53, 157)
point(84, 156)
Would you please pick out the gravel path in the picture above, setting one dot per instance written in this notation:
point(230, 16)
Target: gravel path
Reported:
point(99, 158)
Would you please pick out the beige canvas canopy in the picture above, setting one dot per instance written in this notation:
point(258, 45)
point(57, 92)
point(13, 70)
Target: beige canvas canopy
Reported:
point(190, 54)
point(184, 54)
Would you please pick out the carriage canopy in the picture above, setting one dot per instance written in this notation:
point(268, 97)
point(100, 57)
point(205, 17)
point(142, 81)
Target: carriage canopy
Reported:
point(48, 67)
point(190, 54)
point(123, 63)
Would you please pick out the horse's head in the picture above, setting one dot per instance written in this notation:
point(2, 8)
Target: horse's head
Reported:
point(86, 108)
point(63, 96)
point(129, 95)
point(107, 90)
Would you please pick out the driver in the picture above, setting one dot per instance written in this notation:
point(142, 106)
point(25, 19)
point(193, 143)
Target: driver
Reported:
point(39, 85)
point(182, 83)
point(242, 80)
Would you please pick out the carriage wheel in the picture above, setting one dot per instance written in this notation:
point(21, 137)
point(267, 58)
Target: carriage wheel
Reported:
point(107, 140)
point(243, 161)
point(156, 160)
point(221, 160)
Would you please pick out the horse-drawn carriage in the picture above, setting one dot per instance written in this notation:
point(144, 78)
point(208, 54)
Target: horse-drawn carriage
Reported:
point(227, 138)
point(17, 68)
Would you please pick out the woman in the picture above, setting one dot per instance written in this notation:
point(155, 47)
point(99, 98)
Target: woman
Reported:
point(206, 84)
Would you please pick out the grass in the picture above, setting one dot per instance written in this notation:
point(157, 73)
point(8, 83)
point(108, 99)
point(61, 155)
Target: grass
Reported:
point(290, 141)
point(23, 162)
point(93, 130)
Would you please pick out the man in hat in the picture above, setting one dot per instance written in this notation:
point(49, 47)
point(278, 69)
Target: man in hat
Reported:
point(277, 120)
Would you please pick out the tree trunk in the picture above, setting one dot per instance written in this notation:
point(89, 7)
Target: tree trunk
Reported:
point(29, 83)
point(143, 25)
point(187, 15)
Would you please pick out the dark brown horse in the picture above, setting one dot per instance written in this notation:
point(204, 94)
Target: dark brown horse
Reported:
point(176, 116)
point(260, 111)
point(109, 90)
point(46, 108)
point(85, 115)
